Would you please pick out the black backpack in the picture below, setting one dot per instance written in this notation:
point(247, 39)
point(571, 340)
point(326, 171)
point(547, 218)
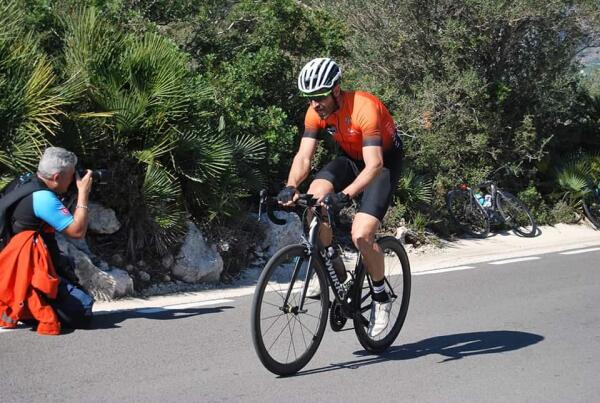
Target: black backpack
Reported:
point(9, 196)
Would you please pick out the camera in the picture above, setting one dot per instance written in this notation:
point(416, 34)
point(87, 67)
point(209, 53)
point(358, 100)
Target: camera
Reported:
point(99, 176)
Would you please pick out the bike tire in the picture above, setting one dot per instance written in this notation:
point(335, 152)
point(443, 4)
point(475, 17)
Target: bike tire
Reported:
point(467, 213)
point(398, 280)
point(515, 214)
point(268, 313)
point(591, 207)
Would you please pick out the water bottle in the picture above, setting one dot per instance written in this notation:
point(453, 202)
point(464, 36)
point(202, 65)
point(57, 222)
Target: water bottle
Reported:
point(480, 198)
point(488, 201)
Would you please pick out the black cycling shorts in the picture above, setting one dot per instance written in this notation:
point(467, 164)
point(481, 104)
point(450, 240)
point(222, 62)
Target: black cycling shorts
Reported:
point(377, 196)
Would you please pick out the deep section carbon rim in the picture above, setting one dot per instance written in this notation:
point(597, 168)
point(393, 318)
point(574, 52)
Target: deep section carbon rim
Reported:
point(398, 280)
point(286, 335)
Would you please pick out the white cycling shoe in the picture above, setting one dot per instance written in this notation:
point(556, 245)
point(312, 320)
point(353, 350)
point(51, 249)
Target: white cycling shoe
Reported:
point(380, 317)
point(314, 291)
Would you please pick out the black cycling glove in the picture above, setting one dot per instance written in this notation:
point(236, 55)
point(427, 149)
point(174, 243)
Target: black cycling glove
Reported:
point(286, 194)
point(337, 200)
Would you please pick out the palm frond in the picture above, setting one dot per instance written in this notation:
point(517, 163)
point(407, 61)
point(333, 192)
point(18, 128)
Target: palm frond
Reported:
point(91, 45)
point(152, 154)
point(201, 156)
point(157, 68)
point(572, 182)
point(250, 149)
point(413, 189)
point(43, 102)
point(22, 153)
point(161, 193)
point(11, 20)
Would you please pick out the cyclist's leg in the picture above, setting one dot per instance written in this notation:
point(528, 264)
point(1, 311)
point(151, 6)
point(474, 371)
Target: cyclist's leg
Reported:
point(364, 228)
point(319, 188)
point(374, 203)
point(333, 177)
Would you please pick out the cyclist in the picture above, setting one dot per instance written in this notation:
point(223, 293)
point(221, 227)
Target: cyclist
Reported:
point(370, 165)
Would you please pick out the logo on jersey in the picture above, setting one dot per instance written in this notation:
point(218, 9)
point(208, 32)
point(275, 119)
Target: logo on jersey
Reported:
point(64, 211)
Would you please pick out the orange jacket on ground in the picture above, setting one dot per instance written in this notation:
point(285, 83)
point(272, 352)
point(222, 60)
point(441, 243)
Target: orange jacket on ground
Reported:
point(26, 271)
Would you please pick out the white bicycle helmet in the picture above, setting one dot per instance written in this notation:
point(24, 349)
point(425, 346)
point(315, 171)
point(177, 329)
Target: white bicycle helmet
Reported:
point(319, 76)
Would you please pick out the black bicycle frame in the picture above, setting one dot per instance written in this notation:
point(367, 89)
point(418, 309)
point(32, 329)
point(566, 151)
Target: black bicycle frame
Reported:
point(314, 249)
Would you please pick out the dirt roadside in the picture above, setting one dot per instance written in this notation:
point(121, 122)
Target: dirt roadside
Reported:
point(455, 253)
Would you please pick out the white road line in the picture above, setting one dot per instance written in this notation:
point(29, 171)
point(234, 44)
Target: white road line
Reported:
point(157, 309)
point(521, 259)
point(196, 304)
point(443, 270)
point(183, 306)
point(574, 252)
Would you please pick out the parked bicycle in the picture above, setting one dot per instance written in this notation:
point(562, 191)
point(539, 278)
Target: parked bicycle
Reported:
point(591, 206)
point(476, 209)
point(287, 326)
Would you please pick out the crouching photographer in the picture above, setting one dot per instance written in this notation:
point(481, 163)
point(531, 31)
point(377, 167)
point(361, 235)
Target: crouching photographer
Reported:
point(39, 213)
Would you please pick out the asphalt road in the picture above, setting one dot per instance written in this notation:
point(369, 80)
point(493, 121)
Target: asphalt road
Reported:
point(514, 332)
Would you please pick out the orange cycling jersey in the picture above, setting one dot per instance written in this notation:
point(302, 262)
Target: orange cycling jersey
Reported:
point(361, 120)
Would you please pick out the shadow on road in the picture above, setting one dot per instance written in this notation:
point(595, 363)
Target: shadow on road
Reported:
point(453, 347)
point(110, 320)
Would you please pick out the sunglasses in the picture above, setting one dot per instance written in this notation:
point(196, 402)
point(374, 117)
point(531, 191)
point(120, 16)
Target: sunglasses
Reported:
point(317, 97)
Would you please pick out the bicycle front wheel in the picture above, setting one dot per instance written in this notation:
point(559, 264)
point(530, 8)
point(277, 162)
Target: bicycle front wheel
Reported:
point(466, 212)
point(286, 329)
point(397, 281)
point(515, 214)
point(591, 206)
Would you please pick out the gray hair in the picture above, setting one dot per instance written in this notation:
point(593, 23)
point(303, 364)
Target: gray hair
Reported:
point(55, 160)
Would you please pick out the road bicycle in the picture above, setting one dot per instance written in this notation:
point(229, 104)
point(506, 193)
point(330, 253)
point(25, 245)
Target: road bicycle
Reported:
point(591, 206)
point(476, 209)
point(287, 326)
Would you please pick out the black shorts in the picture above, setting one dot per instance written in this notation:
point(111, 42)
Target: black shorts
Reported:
point(377, 196)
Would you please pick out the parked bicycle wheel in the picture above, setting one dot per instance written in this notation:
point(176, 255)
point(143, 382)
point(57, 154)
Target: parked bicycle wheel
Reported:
point(286, 337)
point(397, 275)
point(515, 214)
point(466, 212)
point(591, 206)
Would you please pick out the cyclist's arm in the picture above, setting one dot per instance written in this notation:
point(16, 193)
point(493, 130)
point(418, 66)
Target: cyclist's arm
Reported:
point(301, 164)
point(373, 158)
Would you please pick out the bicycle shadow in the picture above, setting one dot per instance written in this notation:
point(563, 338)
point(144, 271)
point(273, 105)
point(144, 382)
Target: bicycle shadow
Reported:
point(453, 347)
point(111, 320)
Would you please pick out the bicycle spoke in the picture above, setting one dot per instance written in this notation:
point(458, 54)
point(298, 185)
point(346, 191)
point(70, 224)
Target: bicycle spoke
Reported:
point(279, 335)
point(273, 324)
point(292, 339)
point(273, 316)
point(301, 331)
point(285, 345)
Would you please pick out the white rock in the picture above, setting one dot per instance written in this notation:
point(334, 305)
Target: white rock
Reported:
point(102, 220)
point(197, 261)
point(103, 285)
point(278, 236)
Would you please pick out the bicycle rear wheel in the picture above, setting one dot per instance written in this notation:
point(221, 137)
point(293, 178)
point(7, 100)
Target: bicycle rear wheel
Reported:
point(515, 214)
point(466, 212)
point(286, 337)
point(591, 206)
point(397, 276)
